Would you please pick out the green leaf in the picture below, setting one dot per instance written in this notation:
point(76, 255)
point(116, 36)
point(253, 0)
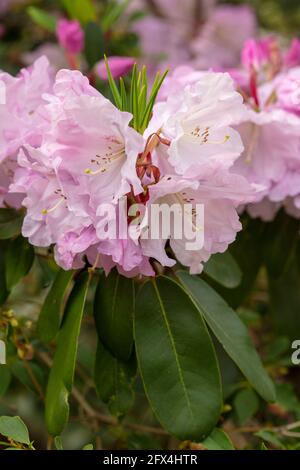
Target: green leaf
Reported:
point(284, 292)
point(277, 348)
point(113, 13)
point(218, 440)
point(230, 332)
point(134, 97)
point(223, 269)
point(10, 223)
point(82, 10)
point(149, 108)
point(113, 86)
point(42, 18)
point(246, 405)
point(113, 311)
point(263, 446)
point(5, 379)
point(123, 95)
point(177, 360)
point(270, 437)
point(287, 398)
point(114, 381)
point(247, 250)
point(4, 292)
point(15, 429)
point(279, 243)
point(94, 43)
point(88, 447)
point(51, 313)
point(21, 372)
point(19, 258)
point(62, 372)
point(58, 443)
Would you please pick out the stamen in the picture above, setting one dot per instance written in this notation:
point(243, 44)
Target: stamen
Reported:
point(52, 209)
point(253, 143)
point(182, 199)
point(204, 136)
point(108, 159)
point(219, 142)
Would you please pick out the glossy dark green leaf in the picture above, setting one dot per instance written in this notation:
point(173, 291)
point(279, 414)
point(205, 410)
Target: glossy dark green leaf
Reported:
point(62, 372)
point(14, 428)
point(114, 381)
point(223, 269)
point(19, 258)
point(177, 360)
point(230, 331)
point(94, 44)
point(10, 223)
point(113, 311)
point(51, 313)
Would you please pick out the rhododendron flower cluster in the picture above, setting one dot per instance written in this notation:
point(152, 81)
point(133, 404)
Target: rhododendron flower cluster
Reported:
point(270, 129)
point(74, 152)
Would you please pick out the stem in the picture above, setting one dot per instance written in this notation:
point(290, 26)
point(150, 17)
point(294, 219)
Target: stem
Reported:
point(96, 415)
point(34, 380)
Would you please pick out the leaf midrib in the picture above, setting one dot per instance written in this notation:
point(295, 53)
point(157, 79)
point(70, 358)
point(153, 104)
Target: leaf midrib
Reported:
point(207, 315)
point(174, 349)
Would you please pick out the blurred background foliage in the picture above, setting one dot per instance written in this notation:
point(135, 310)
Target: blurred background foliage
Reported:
point(281, 16)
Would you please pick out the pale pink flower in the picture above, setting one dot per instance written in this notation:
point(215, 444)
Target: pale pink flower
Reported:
point(221, 194)
point(196, 165)
point(87, 157)
point(287, 88)
point(21, 99)
point(197, 121)
point(70, 36)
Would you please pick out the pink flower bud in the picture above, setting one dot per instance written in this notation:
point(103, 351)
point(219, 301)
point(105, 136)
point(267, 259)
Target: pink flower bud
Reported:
point(256, 53)
point(292, 56)
point(70, 36)
point(119, 66)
